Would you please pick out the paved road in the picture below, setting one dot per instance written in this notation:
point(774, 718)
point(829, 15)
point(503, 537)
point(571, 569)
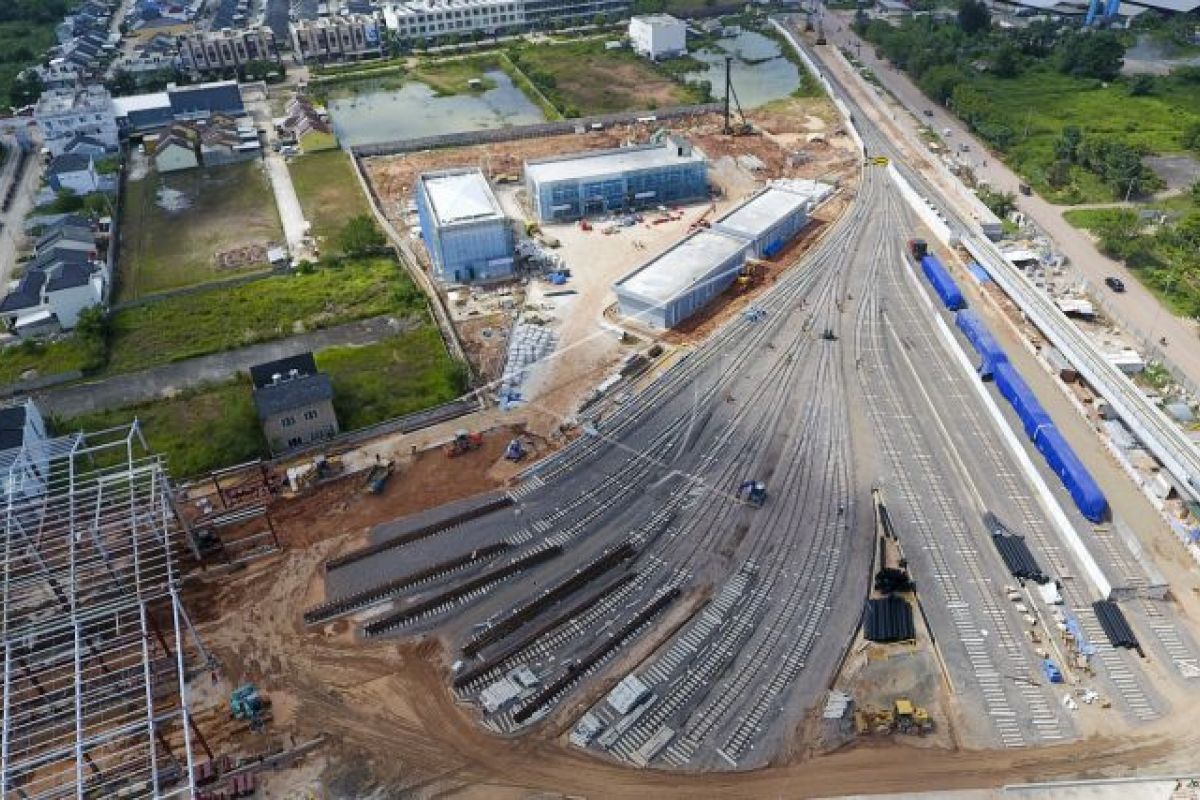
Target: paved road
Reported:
point(120, 391)
point(1137, 309)
point(12, 237)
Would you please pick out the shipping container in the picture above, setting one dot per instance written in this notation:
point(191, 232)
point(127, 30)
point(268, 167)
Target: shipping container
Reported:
point(1014, 389)
point(982, 340)
point(1074, 475)
point(943, 284)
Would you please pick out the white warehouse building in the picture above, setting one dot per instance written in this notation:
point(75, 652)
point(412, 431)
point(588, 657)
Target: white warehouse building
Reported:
point(676, 284)
point(673, 286)
point(658, 36)
point(465, 230)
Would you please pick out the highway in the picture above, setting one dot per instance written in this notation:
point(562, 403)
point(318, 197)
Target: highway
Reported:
point(630, 551)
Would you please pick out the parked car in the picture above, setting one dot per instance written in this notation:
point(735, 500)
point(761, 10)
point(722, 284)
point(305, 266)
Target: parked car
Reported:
point(1116, 284)
point(929, 112)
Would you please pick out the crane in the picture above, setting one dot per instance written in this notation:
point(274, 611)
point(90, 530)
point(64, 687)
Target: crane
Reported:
point(743, 127)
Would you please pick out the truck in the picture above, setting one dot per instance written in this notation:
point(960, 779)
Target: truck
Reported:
point(1051, 671)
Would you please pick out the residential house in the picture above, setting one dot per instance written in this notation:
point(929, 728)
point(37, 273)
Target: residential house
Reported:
point(224, 140)
point(352, 37)
point(73, 172)
point(294, 402)
point(307, 125)
point(204, 52)
point(658, 36)
point(62, 114)
point(66, 275)
point(84, 145)
point(177, 148)
point(143, 113)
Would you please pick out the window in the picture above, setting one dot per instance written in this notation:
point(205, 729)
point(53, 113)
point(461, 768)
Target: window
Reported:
point(295, 441)
point(312, 413)
point(287, 422)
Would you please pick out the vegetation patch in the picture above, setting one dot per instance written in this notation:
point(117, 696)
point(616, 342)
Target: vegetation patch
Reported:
point(329, 193)
point(584, 78)
point(197, 430)
point(218, 319)
point(193, 227)
point(453, 76)
point(391, 378)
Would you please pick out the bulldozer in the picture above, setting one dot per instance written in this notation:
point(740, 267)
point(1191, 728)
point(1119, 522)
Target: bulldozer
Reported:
point(248, 704)
point(911, 719)
point(464, 442)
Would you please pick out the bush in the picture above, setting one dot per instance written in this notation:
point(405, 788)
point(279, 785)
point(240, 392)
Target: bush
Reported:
point(360, 236)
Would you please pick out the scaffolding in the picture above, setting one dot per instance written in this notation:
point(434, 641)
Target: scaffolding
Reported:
point(94, 649)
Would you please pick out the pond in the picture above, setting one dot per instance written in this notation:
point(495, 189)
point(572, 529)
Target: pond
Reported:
point(760, 72)
point(414, 110)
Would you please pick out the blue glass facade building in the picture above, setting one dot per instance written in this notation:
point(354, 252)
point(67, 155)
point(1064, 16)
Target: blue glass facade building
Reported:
point(466, 233)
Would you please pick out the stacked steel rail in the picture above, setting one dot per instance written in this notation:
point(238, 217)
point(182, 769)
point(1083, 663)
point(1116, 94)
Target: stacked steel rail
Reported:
point(94, 699)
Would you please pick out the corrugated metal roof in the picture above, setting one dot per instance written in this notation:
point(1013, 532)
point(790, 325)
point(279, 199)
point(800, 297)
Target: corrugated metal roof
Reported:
point(461, 196)
point(682, 266)
point(759, 213)
point(585, 166)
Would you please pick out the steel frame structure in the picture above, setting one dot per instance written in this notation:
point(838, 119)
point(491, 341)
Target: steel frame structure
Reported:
point(93, 659)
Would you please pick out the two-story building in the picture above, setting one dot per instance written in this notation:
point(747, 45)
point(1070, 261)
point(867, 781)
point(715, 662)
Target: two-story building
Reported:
point(351, 37)
point(206, 52)
point(294, 403)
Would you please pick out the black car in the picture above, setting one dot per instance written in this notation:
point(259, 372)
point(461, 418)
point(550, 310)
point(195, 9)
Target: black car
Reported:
point(928, 113)
point(1116, 284)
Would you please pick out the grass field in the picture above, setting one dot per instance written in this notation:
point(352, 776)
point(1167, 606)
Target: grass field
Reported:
point(583, 78)
point(329, 193)
point(225, 318)
point(217, 426)
point(227, 207)
point(391, 378)
point(197, 431)
point(451, 76)
point(67, 355)
point(1040, 103)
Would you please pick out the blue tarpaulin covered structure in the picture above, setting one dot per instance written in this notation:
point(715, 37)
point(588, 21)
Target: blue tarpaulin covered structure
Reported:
point(981, 339)
point(947, 290)
point(1074, 475)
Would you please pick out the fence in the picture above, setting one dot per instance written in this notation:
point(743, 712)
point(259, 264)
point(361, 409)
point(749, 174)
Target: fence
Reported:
point(534, 131)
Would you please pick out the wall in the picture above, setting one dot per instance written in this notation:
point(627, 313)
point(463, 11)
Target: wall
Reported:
point(675, 183)
point(67, 303)
point(309, 431)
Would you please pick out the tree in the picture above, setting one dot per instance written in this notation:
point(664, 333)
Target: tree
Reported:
point(1066, 147)
point(1092, 54)
point(940, 82)
point(974, 17)
point(1141, 85)
point(1190, 138)
point(1006, 61)
point(25, 89)
point(1196, 192)
point(122, 83)
point(359, 236)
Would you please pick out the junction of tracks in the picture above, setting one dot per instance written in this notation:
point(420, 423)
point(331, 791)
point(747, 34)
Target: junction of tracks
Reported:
point(633, 551)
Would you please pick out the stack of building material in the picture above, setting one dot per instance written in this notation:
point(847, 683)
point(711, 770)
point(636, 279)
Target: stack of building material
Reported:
point(1115, 626)
point(528, 345)
point(889, 619)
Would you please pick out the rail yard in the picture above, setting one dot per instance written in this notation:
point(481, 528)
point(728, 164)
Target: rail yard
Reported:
point(839, 533)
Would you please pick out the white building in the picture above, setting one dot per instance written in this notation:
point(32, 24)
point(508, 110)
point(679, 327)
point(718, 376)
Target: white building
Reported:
point(63, 113)
point(658, 36)
point(465, 230)
point(73, 172)
point(430, 19)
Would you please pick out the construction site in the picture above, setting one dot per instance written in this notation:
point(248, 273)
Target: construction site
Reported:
point(563, 285)
point(758, 497)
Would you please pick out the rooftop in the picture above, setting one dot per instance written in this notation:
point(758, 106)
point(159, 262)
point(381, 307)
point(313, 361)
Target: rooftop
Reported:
point(770, 205)
point(671, 273)
point(460, 196)
point(263, 374)
point(582, 166)
point(292, 393)
point(59, 101)
point(657, 19)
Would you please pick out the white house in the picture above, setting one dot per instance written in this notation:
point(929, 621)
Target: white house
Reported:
point(65, 277)
point(74, 172)
point(64, 113)
point(658, 36)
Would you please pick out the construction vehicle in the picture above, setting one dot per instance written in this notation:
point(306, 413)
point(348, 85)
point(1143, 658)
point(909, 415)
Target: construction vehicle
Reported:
point(464, 442)
point(378, 476)
point(584, 225)
point(515, 451)
point(742, 127)
point(753, 492)
point(918, 248)
point(1051, 671)
point(248, 705)
point(821, 33)
point(909, 718)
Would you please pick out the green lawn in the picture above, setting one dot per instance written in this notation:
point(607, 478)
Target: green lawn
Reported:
point(197, 431)
point(329, 193)
point(451, 76)
point(66, 355)
point(583, 78)
point(217, 426)
point(225, 318)
point(391, 378)
point(1040, 103)
point(225, 208)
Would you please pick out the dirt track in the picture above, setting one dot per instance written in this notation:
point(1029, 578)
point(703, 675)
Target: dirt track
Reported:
point(393, 725)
